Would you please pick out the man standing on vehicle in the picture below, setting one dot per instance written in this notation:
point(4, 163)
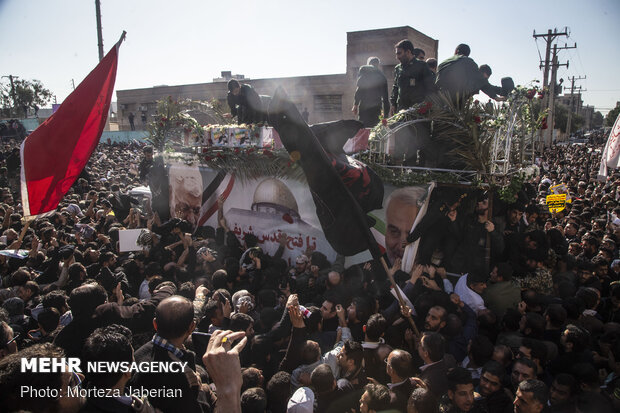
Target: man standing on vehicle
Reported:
point(371, 94)
point(413, 80)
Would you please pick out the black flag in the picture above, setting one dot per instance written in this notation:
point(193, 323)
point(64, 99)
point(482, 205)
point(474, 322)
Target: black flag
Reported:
point(343, 221)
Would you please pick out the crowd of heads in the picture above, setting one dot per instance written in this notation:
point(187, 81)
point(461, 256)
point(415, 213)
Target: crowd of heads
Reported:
point(537, 329)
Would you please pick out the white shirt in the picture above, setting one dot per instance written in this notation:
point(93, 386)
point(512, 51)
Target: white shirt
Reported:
point(469, 296)
point(143, 292)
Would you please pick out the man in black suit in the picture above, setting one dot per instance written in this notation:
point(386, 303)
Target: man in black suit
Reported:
point(433, 372)
point(244, 103)
point(399, 370)
point(371, 94)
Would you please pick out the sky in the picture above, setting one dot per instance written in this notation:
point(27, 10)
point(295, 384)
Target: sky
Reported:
point(191, 41)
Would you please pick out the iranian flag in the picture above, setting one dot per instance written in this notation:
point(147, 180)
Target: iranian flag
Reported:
point(53, 156)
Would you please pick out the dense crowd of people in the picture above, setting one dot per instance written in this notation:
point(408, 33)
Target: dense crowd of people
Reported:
point(538, 331)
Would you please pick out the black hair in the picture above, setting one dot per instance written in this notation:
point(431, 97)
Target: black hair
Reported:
point(253, 400)
point(486, 69)
point(577, 336)
point(12, 379)
point(363, 308)
point(278, 391)
point(434, 344)
point(375, 327)
point(538, 349)
point(187, 290)
point(106, 256)
point(55, 299)
point(589, 297)
point(209, 309)
point(423, 400)
point(152, 268)
point(379, 397)
point(401, 363)
point(536, 323)
point(48, 319)
point(310, 352)
point(251, 377)
point(462, 49)
point(565, 379)
point(322, 378)
point(505, 271)
point(154, 283)
point(354, 351)
point(233, 84)
point(539, 390)
point(495, 368)
point(319, 259)
point(405, 44)
point(526, 362)
point(240, 322)
point(458, 376)
point(106, 344)
point(219, 279)
point(85, 299)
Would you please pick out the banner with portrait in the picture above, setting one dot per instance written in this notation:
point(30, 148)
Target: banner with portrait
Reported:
point(264, 207)
point(269, 206)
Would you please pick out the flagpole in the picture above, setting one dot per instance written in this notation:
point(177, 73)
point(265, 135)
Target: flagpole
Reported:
point(23, 233)
point(400, 297)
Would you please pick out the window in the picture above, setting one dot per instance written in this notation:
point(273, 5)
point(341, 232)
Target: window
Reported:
point(328, 103)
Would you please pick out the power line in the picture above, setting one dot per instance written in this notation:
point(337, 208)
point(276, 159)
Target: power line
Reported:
point(572, 99)
point(551, 65)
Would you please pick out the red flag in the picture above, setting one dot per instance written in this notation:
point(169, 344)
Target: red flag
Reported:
point(54, 155)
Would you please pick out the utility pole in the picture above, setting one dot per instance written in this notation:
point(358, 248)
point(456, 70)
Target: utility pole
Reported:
point(99, 33)
point(549, 38)
point(552, 91)
point(572, 97)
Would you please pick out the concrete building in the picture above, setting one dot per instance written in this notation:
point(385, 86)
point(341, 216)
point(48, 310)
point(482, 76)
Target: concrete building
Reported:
point(574, 103)
point(326, 97)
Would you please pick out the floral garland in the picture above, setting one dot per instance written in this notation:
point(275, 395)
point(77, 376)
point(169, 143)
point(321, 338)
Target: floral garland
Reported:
point(471, 130)
point(171, 124)
point(247, 163)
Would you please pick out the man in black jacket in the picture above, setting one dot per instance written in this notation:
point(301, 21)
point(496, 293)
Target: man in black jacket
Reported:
point(371, 94)
point(244, 103)
point(413, 80)
point(460, 77)
point(399, 369)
